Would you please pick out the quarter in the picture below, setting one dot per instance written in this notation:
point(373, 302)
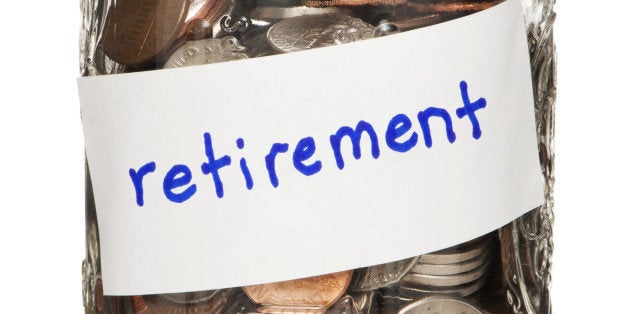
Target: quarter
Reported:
point(452, 269)
point(456, 254)
point(205, 51)
point(463, 290)
point(315, 31)
point(446, 280)
point(379, 276)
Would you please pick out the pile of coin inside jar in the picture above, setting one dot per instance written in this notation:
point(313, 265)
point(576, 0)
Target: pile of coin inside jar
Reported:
point(447, 281)
point(141, 35)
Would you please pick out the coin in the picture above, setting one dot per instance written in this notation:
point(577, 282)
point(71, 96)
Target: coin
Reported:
point(205, 51)
point(418, 22)
point(153, 304)
point(418, 291)
point(280, 13)
point(203, 11)
point(313, 294)
point(441, 304)
point(452, 269)
point(451, 6)
point(334, 3)
point(346, 305)
point(444, 280)
point(379, 276)
point(314, 31)
point(456, 254)
point(138, 32)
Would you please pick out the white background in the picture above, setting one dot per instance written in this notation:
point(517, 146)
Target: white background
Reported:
point(41, 158)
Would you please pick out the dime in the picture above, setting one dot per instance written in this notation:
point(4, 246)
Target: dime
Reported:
point(444, 281)
point(379, 276)
point(313, 294)
point(314, 31)
point(441, 304)
point(207, 51)
point(462, 290)
point(138, 32)
point(456, 254)
point(153, 304)
point(452, 269)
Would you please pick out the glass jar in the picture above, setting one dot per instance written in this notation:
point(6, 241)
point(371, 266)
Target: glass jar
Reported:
point(504, 271)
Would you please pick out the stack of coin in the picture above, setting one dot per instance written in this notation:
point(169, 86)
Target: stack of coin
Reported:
point(460, 270)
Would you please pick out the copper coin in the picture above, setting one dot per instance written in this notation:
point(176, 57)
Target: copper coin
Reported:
point(307, 295)
point(451, 6)
point(205, 11)
point(335, 3)
point(156, 303)
point(138, 32)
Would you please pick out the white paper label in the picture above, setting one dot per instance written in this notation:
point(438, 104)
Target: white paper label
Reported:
point(447, 153)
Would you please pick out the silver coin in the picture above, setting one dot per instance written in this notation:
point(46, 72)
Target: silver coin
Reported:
point(379, 276)
point(444, 281)
point(363, 300)
point(462, 290)
point(441, 305)
point(280, 13)
point(315, 31)
point(457, 254)
point(452, 269)
point(346, 305)
point(207, 51)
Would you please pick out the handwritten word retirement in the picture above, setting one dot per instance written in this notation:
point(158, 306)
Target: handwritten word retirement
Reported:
point(178, 186)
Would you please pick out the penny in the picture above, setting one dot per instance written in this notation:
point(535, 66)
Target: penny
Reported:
point(456, 254)
point(451, 7)
point(441, 304)
point(452, 269)
point(99, 300)
point(207, 51)
point(155, 304)
point(334, 3)
point(379, 276)
point(139, 32)
point(462, 290)
point(444, 280)
point(315, 31)
point(280, 13)
point(307, 295)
